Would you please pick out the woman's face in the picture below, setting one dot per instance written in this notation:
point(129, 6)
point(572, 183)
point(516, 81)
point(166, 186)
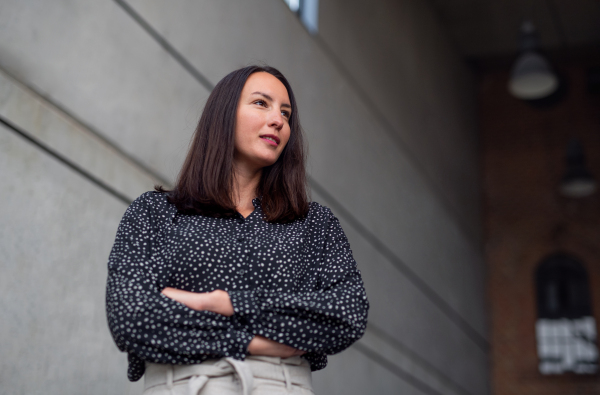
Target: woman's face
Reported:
point(262, 125)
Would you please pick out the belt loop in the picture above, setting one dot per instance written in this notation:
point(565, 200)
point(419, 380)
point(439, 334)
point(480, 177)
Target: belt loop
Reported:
point(196, 383)
point(170, 377)
point(286, 374)
point(244, 374)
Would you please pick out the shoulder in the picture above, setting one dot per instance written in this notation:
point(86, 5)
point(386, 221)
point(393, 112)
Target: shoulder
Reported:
point(326, 227)
point(153, 205)
point(152, 199)
point(316, 210)
point(320, 214)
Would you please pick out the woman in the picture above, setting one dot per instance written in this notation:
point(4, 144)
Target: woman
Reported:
point(233, 281)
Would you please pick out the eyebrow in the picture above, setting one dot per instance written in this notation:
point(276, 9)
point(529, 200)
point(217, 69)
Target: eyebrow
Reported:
point(270, 98)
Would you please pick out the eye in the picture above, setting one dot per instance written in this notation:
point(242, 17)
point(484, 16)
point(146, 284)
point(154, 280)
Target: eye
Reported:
point(260, 102)
point(286, 114)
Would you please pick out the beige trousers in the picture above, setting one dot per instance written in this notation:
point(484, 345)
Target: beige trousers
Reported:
point(256, 375)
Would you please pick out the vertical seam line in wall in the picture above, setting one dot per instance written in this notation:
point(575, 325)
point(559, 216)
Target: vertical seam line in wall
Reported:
point(354, 222)
point(397, 371)
point(94, 180)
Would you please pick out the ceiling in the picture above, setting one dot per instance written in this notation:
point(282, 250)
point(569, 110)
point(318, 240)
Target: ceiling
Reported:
point(489, 28)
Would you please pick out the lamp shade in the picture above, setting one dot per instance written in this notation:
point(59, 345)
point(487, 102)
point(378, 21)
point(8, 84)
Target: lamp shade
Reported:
point(577, 181)
point(532, 77)
point(578, 187)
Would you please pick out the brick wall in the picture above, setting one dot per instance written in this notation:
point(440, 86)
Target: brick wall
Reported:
point(526, 219)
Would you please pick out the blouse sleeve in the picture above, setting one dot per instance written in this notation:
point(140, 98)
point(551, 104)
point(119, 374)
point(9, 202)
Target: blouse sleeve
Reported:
point(145, 323)
point(325, 321)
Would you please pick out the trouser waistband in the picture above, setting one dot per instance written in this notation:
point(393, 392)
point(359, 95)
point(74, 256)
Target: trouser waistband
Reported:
point(294, 370)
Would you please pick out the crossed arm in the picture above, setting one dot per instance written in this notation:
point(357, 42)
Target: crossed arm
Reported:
point(219, 302)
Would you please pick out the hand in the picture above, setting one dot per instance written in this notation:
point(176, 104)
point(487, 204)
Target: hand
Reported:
point(260, 345)
point(216, 301)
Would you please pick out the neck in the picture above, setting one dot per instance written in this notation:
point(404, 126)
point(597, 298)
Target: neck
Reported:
point(245, 187)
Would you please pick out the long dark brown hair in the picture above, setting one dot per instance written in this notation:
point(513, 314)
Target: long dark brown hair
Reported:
point(206, 181)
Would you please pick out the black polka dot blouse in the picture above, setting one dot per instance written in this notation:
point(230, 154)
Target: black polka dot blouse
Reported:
point(295, 283)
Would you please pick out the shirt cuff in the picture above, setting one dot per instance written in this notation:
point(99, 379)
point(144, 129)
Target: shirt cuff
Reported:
point(239, 344)
point(245, 305)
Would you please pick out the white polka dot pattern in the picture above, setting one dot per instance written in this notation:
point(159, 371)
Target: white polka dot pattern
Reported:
point(295, 283)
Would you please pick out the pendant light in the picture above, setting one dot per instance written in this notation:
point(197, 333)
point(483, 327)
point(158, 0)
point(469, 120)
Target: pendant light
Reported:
point(577, 181)
point(531, 77)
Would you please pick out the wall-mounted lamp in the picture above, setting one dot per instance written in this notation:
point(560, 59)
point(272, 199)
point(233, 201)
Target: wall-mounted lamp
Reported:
point(577, 181)
point(531, 77)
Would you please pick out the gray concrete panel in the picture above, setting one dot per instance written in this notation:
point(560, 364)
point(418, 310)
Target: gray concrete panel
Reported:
point(33, 115)
point(90, 59)
point(218, 37)
point(405, 62)
point(403, 362)
point(56, 235)
point(387, 195)
point(348, 373)
point(402, 312)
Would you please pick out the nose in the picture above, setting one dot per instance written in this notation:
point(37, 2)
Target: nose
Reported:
point(276, 119)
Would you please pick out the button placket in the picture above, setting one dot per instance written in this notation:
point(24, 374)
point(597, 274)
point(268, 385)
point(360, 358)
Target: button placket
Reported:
point(244, 256)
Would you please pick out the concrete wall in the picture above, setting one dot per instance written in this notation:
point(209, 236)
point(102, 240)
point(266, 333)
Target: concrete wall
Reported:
point(388, 110)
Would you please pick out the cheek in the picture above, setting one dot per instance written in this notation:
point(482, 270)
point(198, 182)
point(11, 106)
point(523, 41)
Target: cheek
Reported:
point(242, 140)
point(247, 124)
point(285, 137)
point(238, 139)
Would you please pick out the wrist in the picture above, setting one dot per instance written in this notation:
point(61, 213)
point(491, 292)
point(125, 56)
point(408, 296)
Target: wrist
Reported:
point(219, 300)
point(220, 303)
point(209, 301)
point(200, 301)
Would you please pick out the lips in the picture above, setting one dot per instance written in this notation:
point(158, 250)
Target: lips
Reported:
point(271, 139)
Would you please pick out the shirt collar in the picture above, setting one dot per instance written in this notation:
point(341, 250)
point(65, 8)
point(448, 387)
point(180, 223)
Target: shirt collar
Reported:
point(256, 201)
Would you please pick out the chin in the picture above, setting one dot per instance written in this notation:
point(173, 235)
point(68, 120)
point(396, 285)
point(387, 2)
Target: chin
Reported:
point(266, 162)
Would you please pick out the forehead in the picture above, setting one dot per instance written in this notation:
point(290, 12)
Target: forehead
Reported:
point(266, 83)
